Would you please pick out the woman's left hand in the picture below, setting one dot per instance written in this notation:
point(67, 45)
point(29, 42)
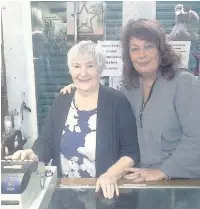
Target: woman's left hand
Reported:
point(142, 174)
point(108, 184)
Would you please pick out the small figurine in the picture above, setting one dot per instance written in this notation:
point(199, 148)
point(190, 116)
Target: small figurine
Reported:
point(182, 30)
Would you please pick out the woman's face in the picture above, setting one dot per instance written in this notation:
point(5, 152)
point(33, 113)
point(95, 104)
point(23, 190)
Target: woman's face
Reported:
point(144, 56)
point(84, 73)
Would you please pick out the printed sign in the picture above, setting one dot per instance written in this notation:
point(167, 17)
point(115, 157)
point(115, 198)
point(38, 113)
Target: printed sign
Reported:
point(113, 53)
point(183, 48)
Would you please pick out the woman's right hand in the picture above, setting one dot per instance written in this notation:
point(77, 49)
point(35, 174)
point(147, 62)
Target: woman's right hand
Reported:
point(108, 184)
point(26, 154)
point(67, 89)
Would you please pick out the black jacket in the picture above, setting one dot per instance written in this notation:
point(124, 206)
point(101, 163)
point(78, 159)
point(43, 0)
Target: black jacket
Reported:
point(116, 133)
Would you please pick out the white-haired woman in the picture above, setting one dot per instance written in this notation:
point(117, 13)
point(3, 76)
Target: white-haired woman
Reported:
point(90, 132)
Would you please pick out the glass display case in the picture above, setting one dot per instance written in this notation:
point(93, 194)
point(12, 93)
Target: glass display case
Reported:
point(172, 194)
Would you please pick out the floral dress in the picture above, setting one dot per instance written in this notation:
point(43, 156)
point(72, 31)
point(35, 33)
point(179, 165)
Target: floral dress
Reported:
point(78, 144)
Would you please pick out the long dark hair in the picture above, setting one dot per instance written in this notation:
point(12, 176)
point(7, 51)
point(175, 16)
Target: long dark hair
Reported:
point(151, 31)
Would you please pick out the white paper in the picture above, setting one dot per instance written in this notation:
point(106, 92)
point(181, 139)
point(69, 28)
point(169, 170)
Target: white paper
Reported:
point(183, 48)
point(113, 53)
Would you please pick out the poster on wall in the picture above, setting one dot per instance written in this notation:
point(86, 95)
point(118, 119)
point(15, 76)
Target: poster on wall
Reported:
point(113, 53)
point(115, 82)
point(182, 48)
point(89, 18)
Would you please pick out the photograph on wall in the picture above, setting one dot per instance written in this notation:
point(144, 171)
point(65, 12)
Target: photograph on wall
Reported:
point(113, 54)
point(89, 18)
point(115, 82)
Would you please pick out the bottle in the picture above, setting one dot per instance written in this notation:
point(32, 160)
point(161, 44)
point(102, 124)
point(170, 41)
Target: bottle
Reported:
point(7, 124)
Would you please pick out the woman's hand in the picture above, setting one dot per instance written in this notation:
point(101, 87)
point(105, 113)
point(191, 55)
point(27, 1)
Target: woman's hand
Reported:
point(108, 184)
point(67, 89)
point(26, 154)
point(142, 174)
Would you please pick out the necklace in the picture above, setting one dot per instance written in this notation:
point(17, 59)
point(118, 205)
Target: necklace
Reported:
point(144, 102)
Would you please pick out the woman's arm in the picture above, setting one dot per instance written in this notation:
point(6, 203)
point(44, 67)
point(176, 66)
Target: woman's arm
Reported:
point(43, 146)
point(129, 149)
point(185, 159)
point(117, 170)
point(128, 131)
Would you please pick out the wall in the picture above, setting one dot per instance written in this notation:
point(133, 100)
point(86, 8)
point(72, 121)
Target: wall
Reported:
point(138, 9)
point(19, 63)
point(4, 99)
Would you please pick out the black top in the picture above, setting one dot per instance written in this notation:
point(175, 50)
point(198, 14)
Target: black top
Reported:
point(116, 133)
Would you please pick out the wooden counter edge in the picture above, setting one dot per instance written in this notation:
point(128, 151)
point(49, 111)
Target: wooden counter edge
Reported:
point(161, 183)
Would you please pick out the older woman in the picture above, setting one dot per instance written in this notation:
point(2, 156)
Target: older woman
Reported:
point(90, 132)
point(166, 103)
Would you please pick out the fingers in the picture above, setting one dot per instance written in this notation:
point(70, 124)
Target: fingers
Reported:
point(23, 155)
point(66, 89)
point(116, 189)
point(108, 185)
point(9, 157)
point(132, 169)
point(135, 173)
point(139, 179)
point(103, 187)
point(136, 177)
point(62, 91)
point(69, 89)
point(108, 189)
point(15, 156)
point(98, 186)
point(112, 191)
point(132, 176)
point(33, 157)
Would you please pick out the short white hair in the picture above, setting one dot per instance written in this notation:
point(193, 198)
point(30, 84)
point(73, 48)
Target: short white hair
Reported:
point(87, 47)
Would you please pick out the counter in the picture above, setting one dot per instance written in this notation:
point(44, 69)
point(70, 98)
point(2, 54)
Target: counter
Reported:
point(171, 194)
